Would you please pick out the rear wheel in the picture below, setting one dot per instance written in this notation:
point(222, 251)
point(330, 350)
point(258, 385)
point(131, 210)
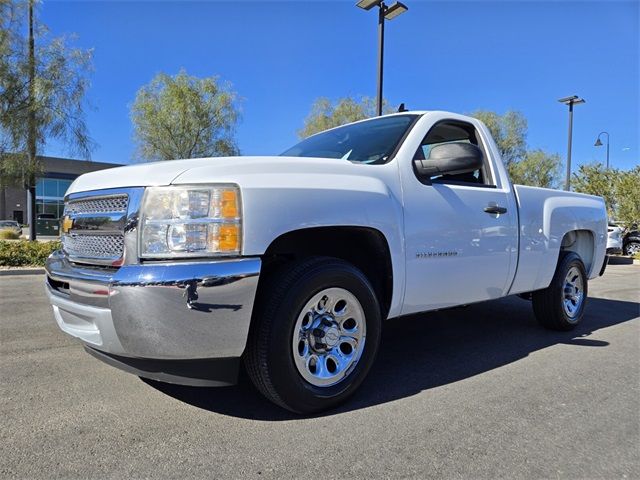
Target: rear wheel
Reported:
point(315, 334)
point(560, 306)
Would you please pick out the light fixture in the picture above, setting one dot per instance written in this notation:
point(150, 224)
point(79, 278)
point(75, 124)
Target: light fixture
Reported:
point(599, 144)
point(368, 4)
point(190, 221)
point(573, 99)
point(394, 10)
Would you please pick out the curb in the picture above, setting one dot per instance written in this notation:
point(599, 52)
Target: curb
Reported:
point(620, 260)
point(21, 271)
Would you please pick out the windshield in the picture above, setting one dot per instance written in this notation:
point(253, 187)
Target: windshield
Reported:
point(8, 223)
point(372, 141)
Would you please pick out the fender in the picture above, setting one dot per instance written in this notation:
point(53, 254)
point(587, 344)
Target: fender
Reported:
point(541, 233)
point(281, 195)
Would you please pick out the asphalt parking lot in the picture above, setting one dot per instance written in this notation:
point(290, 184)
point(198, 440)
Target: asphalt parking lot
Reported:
point(478, 392)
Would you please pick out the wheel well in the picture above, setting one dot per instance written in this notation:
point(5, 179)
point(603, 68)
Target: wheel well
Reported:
point(365, 248)
point(580, 242)
point(631, 238)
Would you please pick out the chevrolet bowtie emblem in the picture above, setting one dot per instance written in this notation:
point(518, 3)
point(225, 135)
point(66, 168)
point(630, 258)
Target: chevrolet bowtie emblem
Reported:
point(67, 224)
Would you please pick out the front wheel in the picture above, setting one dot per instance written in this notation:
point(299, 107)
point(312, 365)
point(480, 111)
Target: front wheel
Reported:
point(560, 306)
point(315, 334)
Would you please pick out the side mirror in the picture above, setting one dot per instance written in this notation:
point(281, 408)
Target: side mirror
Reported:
point(450, 158)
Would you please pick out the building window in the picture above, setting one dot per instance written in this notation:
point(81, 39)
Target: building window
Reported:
point(50, 195)
point(63, 186)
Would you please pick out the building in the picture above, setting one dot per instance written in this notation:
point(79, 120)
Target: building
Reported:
point(50, 188)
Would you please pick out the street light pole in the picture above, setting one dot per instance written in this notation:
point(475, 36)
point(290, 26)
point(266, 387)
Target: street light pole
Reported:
point(384, 13)
point(599, 144)
point(567, 183)
point(570, 101)
point(380, 57)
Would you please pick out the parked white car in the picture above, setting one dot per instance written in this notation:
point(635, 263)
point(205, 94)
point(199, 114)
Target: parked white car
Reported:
point(178, 271)
point(614, 238)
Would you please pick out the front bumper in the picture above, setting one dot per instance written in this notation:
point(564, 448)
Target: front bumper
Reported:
point(160, 314)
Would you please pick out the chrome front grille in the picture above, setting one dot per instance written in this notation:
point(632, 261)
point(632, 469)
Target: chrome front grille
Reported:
point(94, 246)
point(93, 227)
point(110, 204)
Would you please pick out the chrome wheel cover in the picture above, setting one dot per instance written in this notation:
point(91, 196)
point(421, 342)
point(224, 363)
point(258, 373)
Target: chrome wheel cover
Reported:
point(329, 337)
point(632, 248)
point(573, 294)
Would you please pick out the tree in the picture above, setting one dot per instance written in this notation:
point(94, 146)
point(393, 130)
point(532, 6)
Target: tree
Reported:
point(44, 84)
point(537, 168)
point(620, 190)
point(628, 197)
point(182, 116)
point(509, 132)
point(326, 114)
point(8, 83)
point(595, 179)
point(12, 97)
point(8, 78)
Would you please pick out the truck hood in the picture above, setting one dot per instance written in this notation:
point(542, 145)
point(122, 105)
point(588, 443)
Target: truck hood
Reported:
point(202, 170)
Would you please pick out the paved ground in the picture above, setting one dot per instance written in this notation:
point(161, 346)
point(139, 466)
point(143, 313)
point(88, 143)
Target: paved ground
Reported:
point(480, 392)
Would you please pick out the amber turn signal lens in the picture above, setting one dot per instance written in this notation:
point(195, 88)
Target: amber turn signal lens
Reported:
point(230, 204)
point(229, 238)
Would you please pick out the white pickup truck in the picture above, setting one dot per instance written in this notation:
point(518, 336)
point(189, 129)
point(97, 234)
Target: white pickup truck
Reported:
point(181, 271)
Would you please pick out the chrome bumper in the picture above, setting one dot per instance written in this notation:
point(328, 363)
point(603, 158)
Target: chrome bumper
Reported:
point(164, 311)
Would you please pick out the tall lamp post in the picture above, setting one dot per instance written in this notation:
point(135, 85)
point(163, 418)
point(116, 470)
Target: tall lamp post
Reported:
point(570, 101)
point(599, 144)
point(384, 13)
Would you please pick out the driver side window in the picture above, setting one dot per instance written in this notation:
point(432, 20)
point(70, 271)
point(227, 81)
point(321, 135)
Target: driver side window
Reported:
point(452, 131)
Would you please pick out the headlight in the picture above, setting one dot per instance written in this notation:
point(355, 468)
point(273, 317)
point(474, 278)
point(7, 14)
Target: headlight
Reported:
point(190, 221)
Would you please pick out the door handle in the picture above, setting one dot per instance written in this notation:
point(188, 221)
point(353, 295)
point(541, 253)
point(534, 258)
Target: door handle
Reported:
point(495, 209)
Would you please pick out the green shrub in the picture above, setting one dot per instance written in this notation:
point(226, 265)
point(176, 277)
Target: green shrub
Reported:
point(9, 235)
point(26, 253)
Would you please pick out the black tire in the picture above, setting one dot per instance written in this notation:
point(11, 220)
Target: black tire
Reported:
point(632, 247)
point(548, 304)
point(269, 358)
